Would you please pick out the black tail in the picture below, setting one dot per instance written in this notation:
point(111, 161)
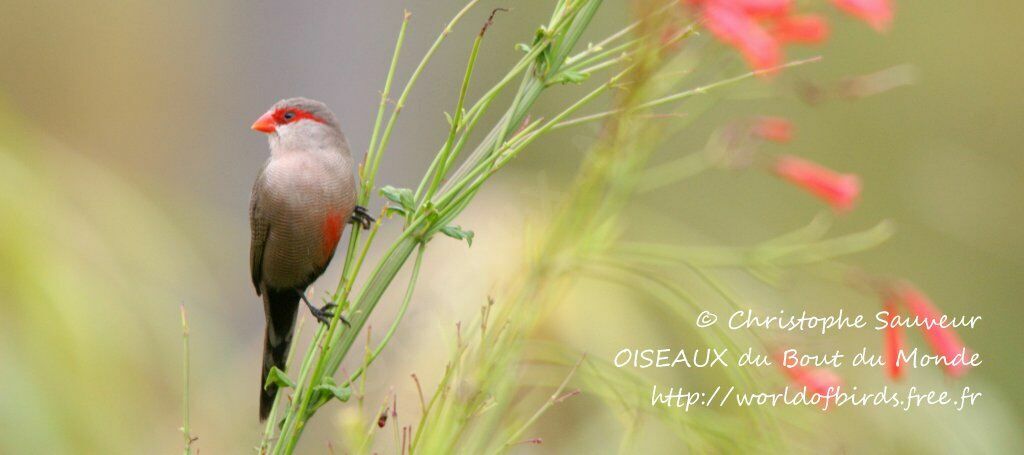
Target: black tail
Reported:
point(280, 308)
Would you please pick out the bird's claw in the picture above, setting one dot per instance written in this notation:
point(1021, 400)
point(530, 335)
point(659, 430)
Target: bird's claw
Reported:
point(361, 217)
point(324, 314)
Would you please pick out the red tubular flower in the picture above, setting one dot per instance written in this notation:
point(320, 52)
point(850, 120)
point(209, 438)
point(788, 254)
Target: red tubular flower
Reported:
point(893, 340)
point(775, 129)
point(817, 380)
point(736, 27)
point(764, 7)
point(943, 340)
point(877, 13)
point(807, 29)
point(759, 28)
point(839, 190)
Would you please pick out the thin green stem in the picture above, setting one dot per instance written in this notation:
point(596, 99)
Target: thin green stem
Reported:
point(398, 318)
point(599, 47)
point(350, 277)
point(672, 172)
point(185, 428)
point(386, 137)
point(438, 169)
point(335, 343)
point(271, 425)
point(467, 188)
point(547, 404)
point(364, 196)
point(685, 94)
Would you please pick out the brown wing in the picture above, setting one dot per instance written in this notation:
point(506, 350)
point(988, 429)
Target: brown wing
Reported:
point(260, 226)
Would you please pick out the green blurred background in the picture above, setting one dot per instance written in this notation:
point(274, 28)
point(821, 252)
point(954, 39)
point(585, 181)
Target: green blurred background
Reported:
point(126, 163)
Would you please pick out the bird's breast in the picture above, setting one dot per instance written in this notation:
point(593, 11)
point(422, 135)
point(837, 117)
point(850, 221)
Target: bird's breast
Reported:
point(309, 201)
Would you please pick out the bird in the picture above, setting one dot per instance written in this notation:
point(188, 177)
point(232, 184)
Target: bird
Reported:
point(302, 198)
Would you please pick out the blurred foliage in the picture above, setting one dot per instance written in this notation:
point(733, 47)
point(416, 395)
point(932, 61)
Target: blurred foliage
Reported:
point(91, 269)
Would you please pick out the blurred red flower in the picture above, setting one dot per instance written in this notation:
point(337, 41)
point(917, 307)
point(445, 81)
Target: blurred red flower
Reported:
point(839, 190)
point(805, 29)
point(893, 340)
point(759, 28)
point(817, 380)
point(877, 13)
point(775, 129)
point(944, 341)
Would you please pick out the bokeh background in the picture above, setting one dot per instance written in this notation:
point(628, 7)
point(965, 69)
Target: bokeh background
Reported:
point(126, 163)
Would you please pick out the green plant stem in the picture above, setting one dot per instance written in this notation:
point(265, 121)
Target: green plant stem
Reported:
point(547, 404)
point(374, 161)
point(545, 65)
point(398, 317)
point(673, 171)
point(484, 170)
point(299, 413)
point(185, 428)
point(442, 159)
point(268, 430)
point(685, 94)
point(335, 343)
point(371, 150)
point(350, 273)
point(365, 190)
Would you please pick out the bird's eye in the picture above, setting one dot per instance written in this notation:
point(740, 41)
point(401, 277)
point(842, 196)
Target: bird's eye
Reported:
point(289, 115)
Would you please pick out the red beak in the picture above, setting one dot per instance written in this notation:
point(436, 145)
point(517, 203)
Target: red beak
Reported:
point(266, 123)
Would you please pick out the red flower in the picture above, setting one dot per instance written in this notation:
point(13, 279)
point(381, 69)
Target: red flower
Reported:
point(759, 28)
point(877, 13)
point(838, 190)
point(764, 7)
point(817, 380)
point(775, 129)
point(943, 340)
point(738, 28)
point(807, 29)
point(893, 340)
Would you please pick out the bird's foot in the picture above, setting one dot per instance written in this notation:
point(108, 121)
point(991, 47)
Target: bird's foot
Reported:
point(325, 313)
point(361, 217)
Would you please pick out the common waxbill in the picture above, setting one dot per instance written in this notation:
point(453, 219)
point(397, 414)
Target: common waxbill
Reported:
point(301, 201)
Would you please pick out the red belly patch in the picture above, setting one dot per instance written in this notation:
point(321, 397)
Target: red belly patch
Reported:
point(333, 225)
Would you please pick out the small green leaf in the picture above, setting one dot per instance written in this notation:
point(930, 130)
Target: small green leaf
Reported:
point(277, 377)
point(570, 77)
point(458, 233)
point(523, 47)
point(401, 196)
point(432, 215)
point(330, 388)
point(391, 210)
point(448, 117)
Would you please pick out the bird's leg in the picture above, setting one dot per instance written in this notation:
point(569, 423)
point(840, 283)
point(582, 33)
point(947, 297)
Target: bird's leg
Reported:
point(361, 217)
point(323, 314)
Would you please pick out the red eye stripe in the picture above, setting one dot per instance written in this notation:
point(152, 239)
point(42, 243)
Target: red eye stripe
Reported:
point(296, 115)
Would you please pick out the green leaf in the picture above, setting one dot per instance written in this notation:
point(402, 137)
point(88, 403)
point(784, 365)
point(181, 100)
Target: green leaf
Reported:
point(570, 77)
point(523, 47)
point(401, 196)
point(458, 233)
point(451, 120)
point(277, 377)
point(329, 388)
point(391, 210)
